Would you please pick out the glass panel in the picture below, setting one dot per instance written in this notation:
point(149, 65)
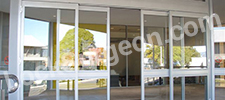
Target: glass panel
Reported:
point(4, 34)
point(156, 49)
point(92, 89)
point(39, 90)
point(220, 87)
point(134, 62)
point(118, 70)
point(92, 40)
point(125, 59)
point(67, 40)
point(189, 49)
point(66, 88)
point(157, 88)
point(190, 88)
point(4, 42)
point(37, 30)
point(219, 47)
point(219, 32)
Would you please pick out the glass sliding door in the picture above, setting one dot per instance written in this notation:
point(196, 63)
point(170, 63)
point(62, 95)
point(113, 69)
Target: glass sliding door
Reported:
point(154, 55)
point(93, 50)
point(49, 51)
point(65, 52)
point(189, 56)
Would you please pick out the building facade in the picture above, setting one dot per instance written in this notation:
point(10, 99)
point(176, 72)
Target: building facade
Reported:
point(113, 49)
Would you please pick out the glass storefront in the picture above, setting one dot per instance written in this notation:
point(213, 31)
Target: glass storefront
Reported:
point(100, 52)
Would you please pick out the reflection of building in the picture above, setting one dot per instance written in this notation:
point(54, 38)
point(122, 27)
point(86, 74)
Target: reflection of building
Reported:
point(93, 58)
point(219, 39)
point(35, 54)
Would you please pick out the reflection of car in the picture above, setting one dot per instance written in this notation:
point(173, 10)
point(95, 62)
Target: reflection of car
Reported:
point(38, 82)
point(149, 64)
point(154, 81)
point(176, 63)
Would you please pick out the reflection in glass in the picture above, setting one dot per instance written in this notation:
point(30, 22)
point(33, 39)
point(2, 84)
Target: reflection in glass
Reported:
point(92, 89)
point(191, 88)
point(66, 88)
point(156, 48)
point(157, 88)
point(220, 87)
point(4, 40)
point(36, 38)
point(92, 41)
point(127, 71)
point(67, 40)
point(190, 51)
point(219, 47)
point(134, 64)
point(118, 71)
point(39, 90)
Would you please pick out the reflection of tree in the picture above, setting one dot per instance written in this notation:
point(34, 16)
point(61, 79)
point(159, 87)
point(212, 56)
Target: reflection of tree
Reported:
point(67, 44)
point(189, 53)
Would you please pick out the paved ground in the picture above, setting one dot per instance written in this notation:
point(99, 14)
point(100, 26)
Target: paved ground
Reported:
point(193, 92)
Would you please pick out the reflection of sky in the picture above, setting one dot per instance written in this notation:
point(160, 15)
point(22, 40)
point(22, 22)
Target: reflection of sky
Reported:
point(38, 29)
point(219, 28)
point(63, 30)
point(99, 38)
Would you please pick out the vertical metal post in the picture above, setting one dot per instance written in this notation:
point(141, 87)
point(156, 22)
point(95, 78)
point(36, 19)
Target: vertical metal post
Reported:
point(57, 53)
point(108, 53)
point(161, 60)
point(15, 58)
point(207, 41)
point(76, 51)
point(50, 46)
point(2, 91)
point(1, 33)
point(142, 58)
point(153, 50)
point(153, 57)
point(127, 67)
point(171, 54)
point(182, 58)
point(212, 59)
point(50, 53)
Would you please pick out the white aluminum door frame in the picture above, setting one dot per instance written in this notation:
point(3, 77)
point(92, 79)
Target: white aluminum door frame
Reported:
point(169, 72)
point(152, 72)
point(62, 75)
point(48, 75)
point(85, 74)
point(188, 72)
